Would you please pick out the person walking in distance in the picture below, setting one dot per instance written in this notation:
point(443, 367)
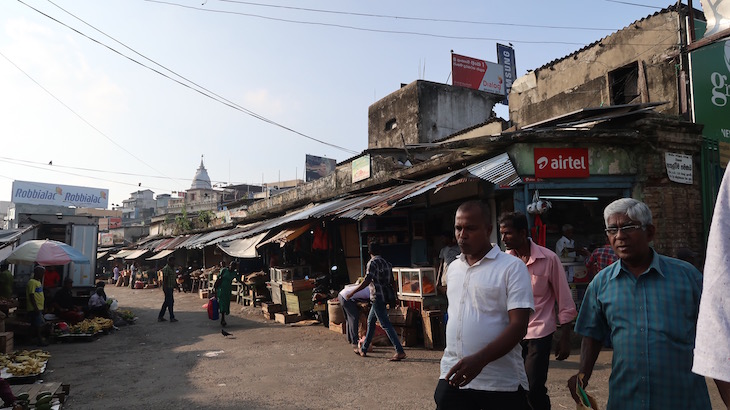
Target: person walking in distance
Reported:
point(169, 282)
point(549, 288)
point(490, 302)
point(35, 303)
point(649, 304)
point(222, 289)
point(382, 292)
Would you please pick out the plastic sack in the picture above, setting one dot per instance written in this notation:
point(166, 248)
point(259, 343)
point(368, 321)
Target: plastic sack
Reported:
point(586, 400)
point(114, 305)
point(213, 309)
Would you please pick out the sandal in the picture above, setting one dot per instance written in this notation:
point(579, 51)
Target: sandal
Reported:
point(398, 357)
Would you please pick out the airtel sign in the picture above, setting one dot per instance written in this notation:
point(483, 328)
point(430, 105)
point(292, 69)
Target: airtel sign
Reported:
point(561, 163)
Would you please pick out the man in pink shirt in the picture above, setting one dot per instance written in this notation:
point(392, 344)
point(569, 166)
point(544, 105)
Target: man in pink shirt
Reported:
point(549, 286)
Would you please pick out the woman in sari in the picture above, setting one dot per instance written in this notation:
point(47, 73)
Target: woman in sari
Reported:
point(223, 287)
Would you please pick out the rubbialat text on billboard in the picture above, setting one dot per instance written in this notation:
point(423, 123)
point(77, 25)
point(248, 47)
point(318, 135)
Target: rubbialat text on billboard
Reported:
point(36, 193)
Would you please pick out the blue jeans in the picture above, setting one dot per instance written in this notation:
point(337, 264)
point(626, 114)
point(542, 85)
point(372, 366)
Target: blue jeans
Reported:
point(169, 301)
point(379, 312)
point(352, 318)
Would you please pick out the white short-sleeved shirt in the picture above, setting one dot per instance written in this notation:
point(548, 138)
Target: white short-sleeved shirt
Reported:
point(712, 350)
point(480, 297)
point(563, 243)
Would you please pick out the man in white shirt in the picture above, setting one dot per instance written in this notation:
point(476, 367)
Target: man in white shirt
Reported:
point(712, 350)
point(352, 311)
point(490, 302)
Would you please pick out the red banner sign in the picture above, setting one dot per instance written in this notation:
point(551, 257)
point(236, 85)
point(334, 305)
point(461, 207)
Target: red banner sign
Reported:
point(561, 163)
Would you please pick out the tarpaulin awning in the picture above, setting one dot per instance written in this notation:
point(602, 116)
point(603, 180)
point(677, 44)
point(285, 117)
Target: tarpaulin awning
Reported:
point(136, 254)
point(4, 252)
point(100, 255)
point(123, 253)
point(286, 235)
point(161, 254)
point(242, 248)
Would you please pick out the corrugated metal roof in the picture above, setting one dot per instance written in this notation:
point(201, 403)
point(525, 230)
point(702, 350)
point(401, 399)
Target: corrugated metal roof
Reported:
point(136, 254)
point(189, 239)
point(176, 241)
point(498, 170)
point(163, 244)
point(204, 239)
point(161, 254)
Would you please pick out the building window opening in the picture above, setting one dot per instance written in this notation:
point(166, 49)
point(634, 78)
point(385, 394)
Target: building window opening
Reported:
point(624, 84)
point(391, 124)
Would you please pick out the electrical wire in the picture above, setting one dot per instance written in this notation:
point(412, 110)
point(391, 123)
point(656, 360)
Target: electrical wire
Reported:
point(201, 89)
point(50, 168)
point(386, 16)
point(371, 30)
point(635, 4)
point(79, 115)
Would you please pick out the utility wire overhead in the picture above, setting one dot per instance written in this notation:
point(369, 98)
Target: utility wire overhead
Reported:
point(372, 30)
point(386, 16)
point(200, 89)
point(78, 115)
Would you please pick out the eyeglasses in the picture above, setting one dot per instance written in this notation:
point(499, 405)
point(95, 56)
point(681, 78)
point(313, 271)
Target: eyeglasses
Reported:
point(628, 229)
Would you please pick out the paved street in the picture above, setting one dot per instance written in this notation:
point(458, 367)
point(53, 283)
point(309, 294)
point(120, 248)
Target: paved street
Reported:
point(264, 365)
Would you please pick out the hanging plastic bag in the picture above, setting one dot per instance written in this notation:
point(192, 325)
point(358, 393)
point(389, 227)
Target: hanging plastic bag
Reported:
point(213, 308)
point(586, 400)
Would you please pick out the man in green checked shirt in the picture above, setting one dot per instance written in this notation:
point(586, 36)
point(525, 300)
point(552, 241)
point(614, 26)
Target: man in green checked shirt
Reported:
point(169, 282)
point(648, 303)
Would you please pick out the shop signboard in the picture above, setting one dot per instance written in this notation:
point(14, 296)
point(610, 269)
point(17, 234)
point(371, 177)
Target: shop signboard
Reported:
point(361, 168)
point(103, 224)
point(679, 167)
point(506, 58)
point(561, 163)
point(477, 74)
point(115, 223)
point(106, 239)
point(37, 193)
point(710, 67)
point(318, 167)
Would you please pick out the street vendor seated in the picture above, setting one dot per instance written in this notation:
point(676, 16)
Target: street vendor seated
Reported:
point(98, 305)
point(63, 304)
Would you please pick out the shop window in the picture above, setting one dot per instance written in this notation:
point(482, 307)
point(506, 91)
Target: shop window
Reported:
point(391, 124)
point(623, 84)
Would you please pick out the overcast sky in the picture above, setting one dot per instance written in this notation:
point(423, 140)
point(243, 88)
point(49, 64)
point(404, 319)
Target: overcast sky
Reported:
point(314, 67)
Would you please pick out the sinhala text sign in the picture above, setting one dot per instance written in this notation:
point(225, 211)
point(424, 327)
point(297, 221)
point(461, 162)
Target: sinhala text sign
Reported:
point(36, 193)
point(477, 74)
point(679, 167)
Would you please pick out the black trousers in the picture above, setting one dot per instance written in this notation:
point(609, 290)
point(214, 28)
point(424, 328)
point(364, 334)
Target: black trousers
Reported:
point(448, 397)
point(169, 301)
point(536, 354)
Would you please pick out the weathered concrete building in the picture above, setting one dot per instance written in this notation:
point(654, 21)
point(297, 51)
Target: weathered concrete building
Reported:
point(638, 64)
point(424, 111)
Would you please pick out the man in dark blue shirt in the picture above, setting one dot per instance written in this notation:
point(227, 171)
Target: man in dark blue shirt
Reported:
point(379, 277)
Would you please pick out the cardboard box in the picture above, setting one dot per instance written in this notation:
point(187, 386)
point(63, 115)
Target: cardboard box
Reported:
point(6, 342)
point(338, 328)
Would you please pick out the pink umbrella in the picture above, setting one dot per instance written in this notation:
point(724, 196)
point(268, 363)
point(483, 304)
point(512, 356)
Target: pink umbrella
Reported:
point(46, 252)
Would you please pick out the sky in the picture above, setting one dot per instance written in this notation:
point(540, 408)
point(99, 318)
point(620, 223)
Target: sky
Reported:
point(129, 94)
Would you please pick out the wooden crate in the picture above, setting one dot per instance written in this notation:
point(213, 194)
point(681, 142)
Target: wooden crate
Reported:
point(297, 285)
point(6, 342)
point(299, 302)
point(286, 318)
point(401, 316)
point(59, 390)
point(204, 293)
point(408, 335)
point(434, 329)
point(271, 308)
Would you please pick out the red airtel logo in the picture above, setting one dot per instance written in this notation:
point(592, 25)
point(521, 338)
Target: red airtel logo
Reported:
point(561, 163)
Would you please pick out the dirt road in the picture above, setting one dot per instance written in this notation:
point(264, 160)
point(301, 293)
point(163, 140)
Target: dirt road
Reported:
point(264, 365)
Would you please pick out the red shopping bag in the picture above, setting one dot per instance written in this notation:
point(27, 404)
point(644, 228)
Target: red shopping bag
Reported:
point(213, 308)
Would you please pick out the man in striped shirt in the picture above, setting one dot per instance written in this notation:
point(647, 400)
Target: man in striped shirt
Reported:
point(648, 303)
